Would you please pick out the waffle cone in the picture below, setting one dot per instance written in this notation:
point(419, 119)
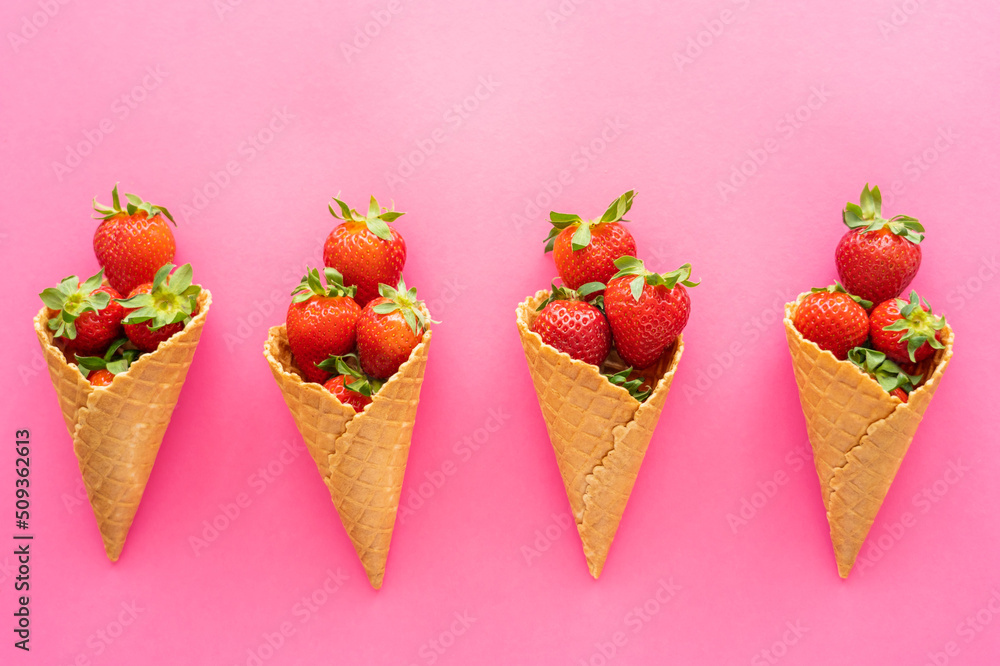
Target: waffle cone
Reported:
point(361, 456)
point(598, 431)
point(117, 429)
point(858, 432)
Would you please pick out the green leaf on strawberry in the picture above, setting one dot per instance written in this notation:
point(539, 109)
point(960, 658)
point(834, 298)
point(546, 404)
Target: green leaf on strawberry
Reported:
point(836, 287)
point(172, 299)
point(71, 299)
point(920, 325)
point(376, 219)
point(563, 293)
point(133, 205)
point(632, 266)
point(116, 360)
point(869, 216)
point(885, 371)
point(582, 236)
point(406, 301)
point(349, 365)
point(633, 386)
point(312, 285)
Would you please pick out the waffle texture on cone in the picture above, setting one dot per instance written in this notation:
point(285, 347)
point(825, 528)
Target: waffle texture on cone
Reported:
point(117, 429)
point(361, 456)
point(598, 431)
point(858, 432)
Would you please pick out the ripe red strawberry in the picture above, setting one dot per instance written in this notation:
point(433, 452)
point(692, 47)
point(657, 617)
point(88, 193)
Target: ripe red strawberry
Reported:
point(336, 386)
point(100, 370)
point(647, 311)
point(894, 379)
point(350, 386)
point(365, 249)
point(133, 243)
point(877, 258)
point(906, 331)
point(101, 377)
point(389, 328)
point(84, 316)
point(321, 322)
point(157, 310)
point(573, 326)
point(835, 320)
point(585, 250)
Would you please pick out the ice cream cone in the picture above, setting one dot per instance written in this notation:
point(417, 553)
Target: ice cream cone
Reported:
point(859, 433)
point(598, 431)
point(117, 429)
point(361, 456)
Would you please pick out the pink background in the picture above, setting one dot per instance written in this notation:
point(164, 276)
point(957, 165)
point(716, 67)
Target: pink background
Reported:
point(903, 94)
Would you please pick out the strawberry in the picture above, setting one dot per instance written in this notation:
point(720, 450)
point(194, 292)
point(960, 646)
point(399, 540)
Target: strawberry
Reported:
point(835, 320)
point(132, 244)
point(100, 370)
point(585, 250)
point(890, 376)
point(877, 258)
point(389, 328)
point(901, 394)
point(365, 249)
point(321, 322)
point(350, 385)
point(85, 316)
point(574, 326)
point(637, 386)
point(647, 311)
point(156, 310)
point(101, 377)
point(905, 331)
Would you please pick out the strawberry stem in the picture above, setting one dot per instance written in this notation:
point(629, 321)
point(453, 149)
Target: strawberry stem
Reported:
point(376, 219)
point(135, 204)
point(582, 236)
point(868, 215)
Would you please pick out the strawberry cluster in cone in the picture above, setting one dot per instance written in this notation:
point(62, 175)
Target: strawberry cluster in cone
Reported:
point(602, 351)
point(867, 364)
point(118, 364)
point(349, 361)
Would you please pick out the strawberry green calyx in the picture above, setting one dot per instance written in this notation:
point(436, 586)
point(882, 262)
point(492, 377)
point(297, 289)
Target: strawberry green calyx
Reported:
point(869, 216)
point(171, 300)
point(633, 386)
point(133, 205)
point(376, 219)
point(837, 288)
point(349, 365)
point(632, 266)
point(581, 237)
point(560, 293)
point(71, 299)
point(116, 360)
point(885, 371)
point(311, 285)
point(920, 325)
point(406, 301)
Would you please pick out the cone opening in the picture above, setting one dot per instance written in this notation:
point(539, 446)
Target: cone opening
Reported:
point(527, 313)
point(42, 321)
point(931, 368)
point(279, 355)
